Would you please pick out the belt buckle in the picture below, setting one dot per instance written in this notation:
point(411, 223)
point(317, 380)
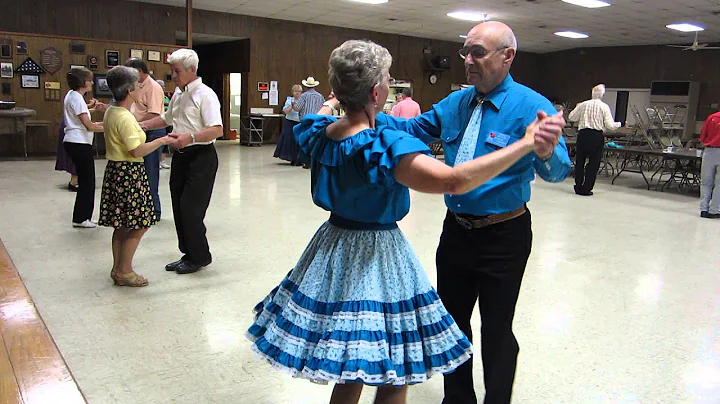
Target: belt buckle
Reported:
point(464, 223)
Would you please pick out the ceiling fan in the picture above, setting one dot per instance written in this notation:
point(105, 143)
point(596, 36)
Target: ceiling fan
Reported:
point(695, 46)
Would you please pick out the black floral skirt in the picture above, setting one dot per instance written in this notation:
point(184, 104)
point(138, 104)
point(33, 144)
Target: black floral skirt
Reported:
point(126, 200)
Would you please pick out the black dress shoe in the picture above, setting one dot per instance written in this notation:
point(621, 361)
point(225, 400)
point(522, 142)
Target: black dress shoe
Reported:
point(174, 265)
point(188, 267)
point(72, 188)
point(707, 215)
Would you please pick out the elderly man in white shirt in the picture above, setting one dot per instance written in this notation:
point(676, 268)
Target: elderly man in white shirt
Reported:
point(194, 113)
point(593, 116)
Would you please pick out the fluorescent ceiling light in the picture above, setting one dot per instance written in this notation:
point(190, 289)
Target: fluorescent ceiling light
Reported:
point(463, 36)
point(371, 1)
point(588, 3)
point(685, 27)
point(468, 16)
point(572, 34)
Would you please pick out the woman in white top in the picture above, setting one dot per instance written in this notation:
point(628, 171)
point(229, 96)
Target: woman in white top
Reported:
point(78, 144)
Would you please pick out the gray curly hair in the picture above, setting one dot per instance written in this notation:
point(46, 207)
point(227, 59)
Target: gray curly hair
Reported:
point(355, 68)
point(122, 80)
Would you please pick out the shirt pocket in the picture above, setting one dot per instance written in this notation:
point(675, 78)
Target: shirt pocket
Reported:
point(450, 135)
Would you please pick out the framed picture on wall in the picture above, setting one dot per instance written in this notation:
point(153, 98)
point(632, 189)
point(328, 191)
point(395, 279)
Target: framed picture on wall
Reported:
point(136, 53)
point(6, 70)
point(21, 48)
point(6, 51)
point(76, 66)
point(101, 86)
point(153, 56)
point(30, 81)
point(112, 58)
point(92, 62)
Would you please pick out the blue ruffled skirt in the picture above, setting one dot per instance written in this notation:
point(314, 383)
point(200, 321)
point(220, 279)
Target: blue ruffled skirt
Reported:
point(358, 307)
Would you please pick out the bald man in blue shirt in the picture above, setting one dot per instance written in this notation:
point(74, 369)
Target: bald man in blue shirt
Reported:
point(487, 234)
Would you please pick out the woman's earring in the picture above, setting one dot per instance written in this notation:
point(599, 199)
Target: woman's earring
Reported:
point(375, 105)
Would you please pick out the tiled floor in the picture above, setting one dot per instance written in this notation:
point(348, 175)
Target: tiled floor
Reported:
point(620, 301)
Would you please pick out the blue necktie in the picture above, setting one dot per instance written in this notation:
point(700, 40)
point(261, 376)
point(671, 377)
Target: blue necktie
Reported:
point(466, 152)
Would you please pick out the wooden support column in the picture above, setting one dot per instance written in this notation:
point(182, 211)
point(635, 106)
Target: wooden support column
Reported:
point(189, 8)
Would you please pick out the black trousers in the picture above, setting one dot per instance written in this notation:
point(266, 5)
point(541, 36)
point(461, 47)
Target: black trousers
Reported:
point(192, 176)
point(484, 265)
point(590, 144)
point(83, 157)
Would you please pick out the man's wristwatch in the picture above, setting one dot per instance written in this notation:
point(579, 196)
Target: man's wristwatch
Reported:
point(192, 135)
point(329, 105)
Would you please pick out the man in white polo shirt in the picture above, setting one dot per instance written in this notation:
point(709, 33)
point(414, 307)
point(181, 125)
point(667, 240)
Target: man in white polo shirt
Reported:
point(194, 113)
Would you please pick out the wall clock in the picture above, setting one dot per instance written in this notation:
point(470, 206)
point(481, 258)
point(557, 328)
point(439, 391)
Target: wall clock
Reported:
point(433, 79)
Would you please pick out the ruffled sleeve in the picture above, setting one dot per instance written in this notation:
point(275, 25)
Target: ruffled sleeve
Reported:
point(379, 149)
point(384, 153)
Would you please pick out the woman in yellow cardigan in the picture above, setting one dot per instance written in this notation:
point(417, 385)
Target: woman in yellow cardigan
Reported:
point(126, 202)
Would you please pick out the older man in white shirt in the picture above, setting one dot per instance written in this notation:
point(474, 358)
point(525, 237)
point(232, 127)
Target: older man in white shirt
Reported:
point(593, 116)
point(194, 113)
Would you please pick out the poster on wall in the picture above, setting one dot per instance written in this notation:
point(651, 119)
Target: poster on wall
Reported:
point(273, 86)
point(273, 97)
point(263, 86)
point(30, 81)
point(6, 70)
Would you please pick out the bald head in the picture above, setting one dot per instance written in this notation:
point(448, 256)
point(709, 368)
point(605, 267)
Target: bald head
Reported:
point(496, 33)
point(490, 50)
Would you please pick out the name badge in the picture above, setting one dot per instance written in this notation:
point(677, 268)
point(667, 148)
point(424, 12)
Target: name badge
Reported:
point(498, 139)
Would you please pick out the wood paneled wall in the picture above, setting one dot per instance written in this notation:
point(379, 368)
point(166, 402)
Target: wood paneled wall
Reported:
point(569, 76)
point(284, 51)
point(43, 140)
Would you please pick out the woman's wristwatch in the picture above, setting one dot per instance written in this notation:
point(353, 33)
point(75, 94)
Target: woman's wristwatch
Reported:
point(192, 135)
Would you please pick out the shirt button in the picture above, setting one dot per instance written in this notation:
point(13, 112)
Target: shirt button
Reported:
point(458, 205)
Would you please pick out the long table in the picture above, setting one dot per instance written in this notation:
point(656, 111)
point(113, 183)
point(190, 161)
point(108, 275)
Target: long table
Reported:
point(683, 164)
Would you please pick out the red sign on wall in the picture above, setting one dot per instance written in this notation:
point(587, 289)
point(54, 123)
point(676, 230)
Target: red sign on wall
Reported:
point(263, 86)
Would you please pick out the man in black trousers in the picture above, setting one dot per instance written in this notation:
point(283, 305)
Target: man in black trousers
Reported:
point(487, 234)
point(194, 113)
point(592, 117)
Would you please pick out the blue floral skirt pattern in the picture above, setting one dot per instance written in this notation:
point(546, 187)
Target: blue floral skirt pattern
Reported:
point(358, 308)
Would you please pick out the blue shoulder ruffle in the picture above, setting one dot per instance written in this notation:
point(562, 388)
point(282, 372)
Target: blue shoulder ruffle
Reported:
point(381, 148)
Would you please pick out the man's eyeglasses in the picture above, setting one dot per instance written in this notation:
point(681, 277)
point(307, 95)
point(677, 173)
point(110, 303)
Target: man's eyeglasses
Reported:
point(477, 52)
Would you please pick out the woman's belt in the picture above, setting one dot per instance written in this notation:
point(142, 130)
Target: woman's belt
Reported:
point(475, 222)
point(348, 224)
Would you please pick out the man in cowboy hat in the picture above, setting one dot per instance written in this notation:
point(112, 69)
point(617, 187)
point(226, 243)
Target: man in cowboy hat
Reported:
point(309, 102)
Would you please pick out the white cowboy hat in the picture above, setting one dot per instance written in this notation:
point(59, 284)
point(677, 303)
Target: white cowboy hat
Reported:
point(310, 82)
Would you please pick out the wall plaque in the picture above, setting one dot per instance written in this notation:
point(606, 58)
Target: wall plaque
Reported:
point(51, 59)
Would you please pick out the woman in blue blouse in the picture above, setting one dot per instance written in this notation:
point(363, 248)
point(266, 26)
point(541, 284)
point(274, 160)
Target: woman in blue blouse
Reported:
point(287, 148)
point(358, 308)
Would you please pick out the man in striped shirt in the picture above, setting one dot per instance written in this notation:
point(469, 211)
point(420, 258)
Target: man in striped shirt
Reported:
point(593, 116)
point(310, 101)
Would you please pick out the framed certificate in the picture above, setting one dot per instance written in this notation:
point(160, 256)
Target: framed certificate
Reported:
point(153, 56)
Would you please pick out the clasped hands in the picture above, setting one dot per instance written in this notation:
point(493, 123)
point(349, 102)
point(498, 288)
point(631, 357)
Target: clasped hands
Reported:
point(546, 131)
point(177, 140)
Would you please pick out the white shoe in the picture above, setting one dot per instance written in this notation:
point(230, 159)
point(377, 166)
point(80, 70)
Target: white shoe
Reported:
point(164, 165)
point(88, 224)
